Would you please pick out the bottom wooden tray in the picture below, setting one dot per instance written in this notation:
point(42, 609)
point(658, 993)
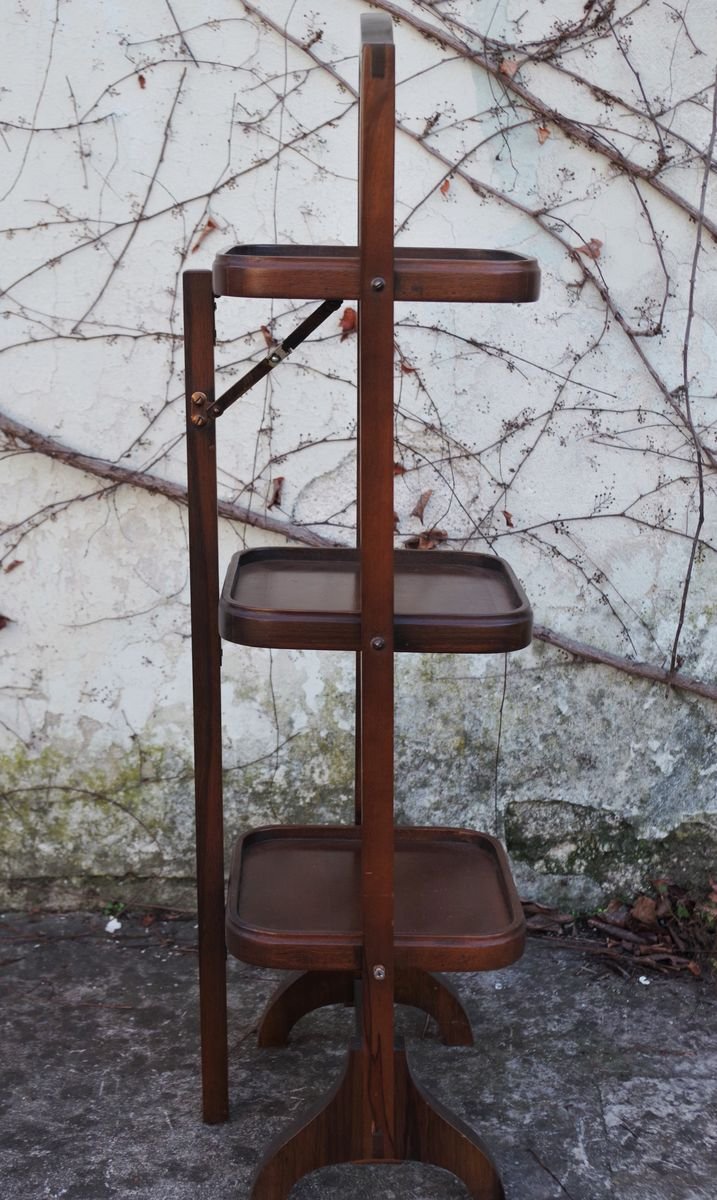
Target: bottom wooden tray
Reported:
point(294, 899)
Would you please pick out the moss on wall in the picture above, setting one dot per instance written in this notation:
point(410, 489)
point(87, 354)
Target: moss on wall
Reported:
point(79, 827)
point(562, 839)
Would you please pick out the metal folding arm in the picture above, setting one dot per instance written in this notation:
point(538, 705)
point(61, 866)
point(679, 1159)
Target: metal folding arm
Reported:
point(203, 411)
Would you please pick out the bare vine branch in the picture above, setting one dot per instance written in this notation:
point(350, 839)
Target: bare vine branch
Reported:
point(589, 137)
point(117, 475)
point(674, 662)
point(640, 670)
point(476, 490)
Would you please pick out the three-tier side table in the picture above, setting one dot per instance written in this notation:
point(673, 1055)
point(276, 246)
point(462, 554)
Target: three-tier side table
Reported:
point(365, 913)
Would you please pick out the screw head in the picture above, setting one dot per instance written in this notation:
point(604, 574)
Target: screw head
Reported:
point(199, 398)
point(378, 284)
point(377, 643)
point(198, 420)
point(379, 972)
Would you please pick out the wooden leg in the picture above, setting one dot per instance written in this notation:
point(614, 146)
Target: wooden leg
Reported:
point(434, 995)
point(305, 991)
point(330, 1133)
point(434, 1135)
point(301, 993)
point(206, 660)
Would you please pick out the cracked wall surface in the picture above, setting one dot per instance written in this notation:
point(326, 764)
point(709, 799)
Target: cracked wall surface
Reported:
point(575, 437)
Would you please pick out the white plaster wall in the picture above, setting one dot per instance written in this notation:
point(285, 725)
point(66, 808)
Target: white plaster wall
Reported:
point(121, 139)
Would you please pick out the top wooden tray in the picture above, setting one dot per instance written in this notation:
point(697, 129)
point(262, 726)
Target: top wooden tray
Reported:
point(332, 273)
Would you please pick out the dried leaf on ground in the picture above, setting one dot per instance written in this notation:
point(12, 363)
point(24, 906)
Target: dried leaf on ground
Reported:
point(616, 913)
point(669, 933)
point(542, 918)
point(644, 910)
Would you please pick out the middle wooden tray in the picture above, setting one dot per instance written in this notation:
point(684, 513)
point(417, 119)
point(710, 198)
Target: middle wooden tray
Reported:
point(307, 599)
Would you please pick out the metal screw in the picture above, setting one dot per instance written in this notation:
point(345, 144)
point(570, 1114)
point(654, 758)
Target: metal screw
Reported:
point(379, 972)
point(377, 643)
point(199, 398)
point(378, 284)
point(275, 358)
point(198, 420)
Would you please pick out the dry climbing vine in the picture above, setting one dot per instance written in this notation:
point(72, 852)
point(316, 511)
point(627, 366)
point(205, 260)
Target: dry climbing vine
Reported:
point(568, 147)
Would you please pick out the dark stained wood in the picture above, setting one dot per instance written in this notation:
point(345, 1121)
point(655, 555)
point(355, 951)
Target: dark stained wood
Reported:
point(305, 991)
point(375, 471)
point(368, 909)
point(305, 598)
point(301, 993)
point(433, 994)
point(330, 1133)
point(432, 1134)
point(317, 272)
point(206, 658)
point(327, 1132)
point(358, 813)
point(295, 899)
point(276, 355)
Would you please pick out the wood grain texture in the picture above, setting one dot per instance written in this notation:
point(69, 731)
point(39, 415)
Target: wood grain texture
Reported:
point(331, 272)
point(330, 1133)
point(375, 469)
point(364, 911)
point(305, 991)
point(206, 659)
point(300, 993)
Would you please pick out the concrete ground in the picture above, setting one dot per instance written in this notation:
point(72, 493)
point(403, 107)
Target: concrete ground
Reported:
point(585, 1085)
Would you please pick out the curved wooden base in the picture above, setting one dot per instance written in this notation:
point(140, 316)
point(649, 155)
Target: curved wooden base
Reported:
point(305, 991)
point(434, 995)
point(330, 1133)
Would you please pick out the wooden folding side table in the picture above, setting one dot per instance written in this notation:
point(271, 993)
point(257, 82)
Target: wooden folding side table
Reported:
point(366, 912)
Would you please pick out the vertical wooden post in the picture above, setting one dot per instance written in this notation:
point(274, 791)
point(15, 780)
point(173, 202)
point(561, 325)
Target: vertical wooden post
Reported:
point(375, 337)
point(357, 743)
point(206, 666)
